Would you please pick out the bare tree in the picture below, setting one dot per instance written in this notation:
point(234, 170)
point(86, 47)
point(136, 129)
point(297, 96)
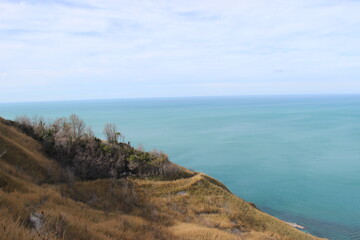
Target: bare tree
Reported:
point(112, 134)
point(89, 133)
point(63, 132)
point(25, 120)
point(39, 125)
point(59, 124)
point(77, 126)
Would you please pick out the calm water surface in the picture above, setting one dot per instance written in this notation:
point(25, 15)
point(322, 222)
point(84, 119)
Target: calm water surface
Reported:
point(295, 157)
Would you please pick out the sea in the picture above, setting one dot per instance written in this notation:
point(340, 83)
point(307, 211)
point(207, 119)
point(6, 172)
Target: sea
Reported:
point(296, 157)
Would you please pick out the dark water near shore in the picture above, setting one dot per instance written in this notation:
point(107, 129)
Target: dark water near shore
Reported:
point(295, 157)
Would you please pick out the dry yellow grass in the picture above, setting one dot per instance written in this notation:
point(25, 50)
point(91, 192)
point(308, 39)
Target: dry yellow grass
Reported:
point(198, 207)
point(196, 232)
point(198, 201)
point(23, 157)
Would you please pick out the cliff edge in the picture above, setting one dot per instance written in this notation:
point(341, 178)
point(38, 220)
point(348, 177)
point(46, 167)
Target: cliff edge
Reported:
point(49, 194)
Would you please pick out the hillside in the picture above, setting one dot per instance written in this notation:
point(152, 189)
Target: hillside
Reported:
point(125, 194)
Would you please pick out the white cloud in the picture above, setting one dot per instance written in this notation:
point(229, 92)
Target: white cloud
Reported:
point(173, 42)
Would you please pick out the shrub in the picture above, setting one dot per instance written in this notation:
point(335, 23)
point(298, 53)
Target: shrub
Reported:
point(75, 147)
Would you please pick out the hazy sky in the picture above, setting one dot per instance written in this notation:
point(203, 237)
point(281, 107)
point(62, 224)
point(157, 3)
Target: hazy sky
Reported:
point(64, 49)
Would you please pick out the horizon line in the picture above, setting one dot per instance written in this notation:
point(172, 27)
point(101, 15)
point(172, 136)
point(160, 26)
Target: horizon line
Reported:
point(174, 97)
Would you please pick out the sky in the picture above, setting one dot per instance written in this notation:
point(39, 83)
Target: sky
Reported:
point(96, 49)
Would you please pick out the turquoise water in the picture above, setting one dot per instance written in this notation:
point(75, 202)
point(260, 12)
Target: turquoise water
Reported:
point(295, 157)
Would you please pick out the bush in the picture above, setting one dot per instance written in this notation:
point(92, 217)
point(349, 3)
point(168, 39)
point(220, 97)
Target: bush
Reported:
point(74, 146)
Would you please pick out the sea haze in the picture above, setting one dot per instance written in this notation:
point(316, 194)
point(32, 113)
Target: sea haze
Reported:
point(295, 157)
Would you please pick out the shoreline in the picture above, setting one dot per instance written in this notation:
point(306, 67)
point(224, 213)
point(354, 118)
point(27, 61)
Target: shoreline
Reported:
point(295, 225)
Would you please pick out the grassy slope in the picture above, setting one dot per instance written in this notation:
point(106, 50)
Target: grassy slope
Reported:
point(197, 207)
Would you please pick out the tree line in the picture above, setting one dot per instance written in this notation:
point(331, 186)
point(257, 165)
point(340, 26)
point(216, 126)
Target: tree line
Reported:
point(74, 146)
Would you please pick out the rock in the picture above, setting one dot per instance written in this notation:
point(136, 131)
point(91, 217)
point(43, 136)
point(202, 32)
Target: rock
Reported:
point(295, 225)
point(181, 193)
point(37, 220)
point(235, 231)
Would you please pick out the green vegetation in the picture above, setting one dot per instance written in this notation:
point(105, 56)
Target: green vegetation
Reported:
point(58, 181)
